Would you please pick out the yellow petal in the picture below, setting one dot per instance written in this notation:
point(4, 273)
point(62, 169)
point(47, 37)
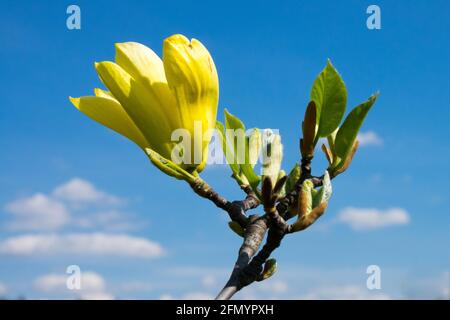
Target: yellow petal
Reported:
point(110, 113)
point(192, 76)
point(189, 65)
point(140, 104)
point(147, 68)
point(140, 62)
point(103, 94)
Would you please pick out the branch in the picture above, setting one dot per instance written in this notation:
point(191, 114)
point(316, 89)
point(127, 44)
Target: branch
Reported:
point(247, 271)
point(248, 266)
point(236, 209)
point(253, 237)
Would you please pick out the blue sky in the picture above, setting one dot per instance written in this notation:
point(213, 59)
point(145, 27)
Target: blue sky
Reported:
point(66, 180)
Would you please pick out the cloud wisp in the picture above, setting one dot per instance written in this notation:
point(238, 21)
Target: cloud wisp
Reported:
point(3, 289)
point(67, 205)
point(369, 138)
point(361, 219)
point(37, 212)
point(344, 292)
point(78, 191)
point(99, 244)
point(61, 224)
point(93, 286)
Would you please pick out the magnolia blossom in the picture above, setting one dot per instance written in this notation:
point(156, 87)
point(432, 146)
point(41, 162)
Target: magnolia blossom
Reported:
point(149, 98)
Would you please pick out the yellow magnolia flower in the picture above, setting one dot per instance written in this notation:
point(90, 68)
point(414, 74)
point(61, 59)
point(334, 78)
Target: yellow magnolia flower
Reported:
point(149, 98)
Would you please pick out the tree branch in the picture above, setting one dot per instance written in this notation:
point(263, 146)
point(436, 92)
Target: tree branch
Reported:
point(236, 209)
point(249, 265)
point(253, 237)
point(248, 269)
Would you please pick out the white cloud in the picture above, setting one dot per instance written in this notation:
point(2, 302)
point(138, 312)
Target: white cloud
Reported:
point(135, 286)
point(76, 204)
point(369, 138)
point(197, 296)
point(369, 218)
point(51, 283)
point(209, 281)
point(279, 287)
point(274, 286)
point(55, 282)
point(347, 292)
point(272, 289)
point(192, 271)
point(97, 296)
point(93, 286)
point(38, 212)
point(81, 244)
point(3, 289)
point(428, 287)
point(79, 191)
point(110, 220)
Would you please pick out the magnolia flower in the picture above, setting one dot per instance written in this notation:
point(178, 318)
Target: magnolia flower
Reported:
point(149, 98)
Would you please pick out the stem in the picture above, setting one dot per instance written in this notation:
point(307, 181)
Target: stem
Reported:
point(247, 270)
point(236, 209)
point(248, 266)
point(254, 235)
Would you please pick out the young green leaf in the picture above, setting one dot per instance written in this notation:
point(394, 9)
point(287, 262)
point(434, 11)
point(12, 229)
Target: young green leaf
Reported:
point(233, 122)
point(254, 146)
point(305, 198)
point(324, 193)
point(330, 96)
point(227, 149)
point(168, 167)
point(241, 147)
point(344, 164)
point(252, 149)
point(331, 138)
point(235, 136)
point(293, 177)
point(347, 133)
point(327, 188)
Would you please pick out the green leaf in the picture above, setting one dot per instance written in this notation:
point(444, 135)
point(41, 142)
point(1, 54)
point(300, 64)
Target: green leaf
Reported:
point(233, 122)
point(293, 177)
point(306, 198)
point(330, 96)
point(252, 149)
point(331, 141)
point(168, 167)
point(324, 193)
point(241, 147)
point(347, 133)
point(282, 191)
point(235, 136)
point(227, 150)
